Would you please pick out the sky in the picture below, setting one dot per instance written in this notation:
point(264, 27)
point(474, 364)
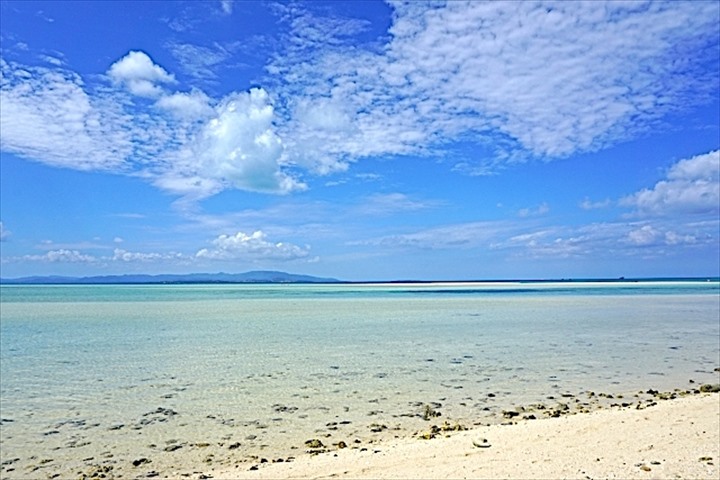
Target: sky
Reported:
point(361, 140)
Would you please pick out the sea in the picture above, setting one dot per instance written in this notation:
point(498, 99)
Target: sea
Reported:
point(129, 381)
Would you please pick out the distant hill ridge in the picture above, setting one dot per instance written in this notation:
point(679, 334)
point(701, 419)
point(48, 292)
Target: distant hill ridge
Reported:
point(260, 276)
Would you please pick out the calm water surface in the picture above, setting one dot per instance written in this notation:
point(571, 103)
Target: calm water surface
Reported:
point(93, 375)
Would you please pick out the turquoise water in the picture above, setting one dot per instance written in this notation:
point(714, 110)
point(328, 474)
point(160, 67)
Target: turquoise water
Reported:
point(93, 370)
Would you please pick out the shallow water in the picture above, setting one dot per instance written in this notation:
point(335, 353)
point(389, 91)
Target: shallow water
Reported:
point(194, 376)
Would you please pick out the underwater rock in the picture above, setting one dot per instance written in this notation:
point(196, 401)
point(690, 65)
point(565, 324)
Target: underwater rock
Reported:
point(707, 388)
point(377, 427)
point(429, 412)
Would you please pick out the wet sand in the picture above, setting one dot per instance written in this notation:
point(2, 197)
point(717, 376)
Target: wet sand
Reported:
point(678, 438)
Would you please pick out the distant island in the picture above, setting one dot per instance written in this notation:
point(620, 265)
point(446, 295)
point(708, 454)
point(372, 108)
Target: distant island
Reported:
point(261, 276)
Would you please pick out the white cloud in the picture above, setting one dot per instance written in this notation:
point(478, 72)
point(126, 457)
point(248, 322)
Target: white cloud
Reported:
point(200, 61)
point(4, 233)
point(692, 186)
point(47, 115)
point(238, 148)
point(520, 79)
point(185, 145)
point(587, 204)
point(463, 235)
point(58, 62)
point(610, 240)
point(194, 105)
point(390, 203)
point(538, 79)
point(251, 247)
point(541, 209)
point(523, 239)
point(137, 72)
point(124, 256)
point(645, 235)
point(61, 256)
point(227, 6)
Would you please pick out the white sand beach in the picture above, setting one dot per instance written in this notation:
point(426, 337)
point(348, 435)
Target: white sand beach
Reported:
point(674, 439)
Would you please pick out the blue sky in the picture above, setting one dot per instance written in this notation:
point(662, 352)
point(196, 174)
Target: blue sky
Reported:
point(361, 140)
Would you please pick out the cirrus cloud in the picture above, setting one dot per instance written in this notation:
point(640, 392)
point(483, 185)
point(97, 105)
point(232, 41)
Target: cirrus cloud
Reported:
point(529, 79)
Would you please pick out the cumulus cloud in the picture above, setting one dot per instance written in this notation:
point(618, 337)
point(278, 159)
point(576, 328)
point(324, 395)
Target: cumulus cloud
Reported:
point(645, 235)
point(120, 255)
point(255, 247)
point(140, 75)
point(194, 105)
point(189, 144)
point(238, 148)
point(528, 239)
point(519, 79)
point(61, 256)
point(251, 247)
point(692, 186)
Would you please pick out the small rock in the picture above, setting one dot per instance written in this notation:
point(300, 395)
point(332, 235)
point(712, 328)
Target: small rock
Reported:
point(140, 461)
point(483, 443)
point(234, 446)
point(314, 443)
point(707, 388)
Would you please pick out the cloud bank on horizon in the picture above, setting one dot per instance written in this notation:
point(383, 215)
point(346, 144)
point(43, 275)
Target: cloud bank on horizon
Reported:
point(479, 87)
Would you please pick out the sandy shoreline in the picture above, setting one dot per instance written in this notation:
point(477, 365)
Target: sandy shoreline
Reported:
point(673, 439)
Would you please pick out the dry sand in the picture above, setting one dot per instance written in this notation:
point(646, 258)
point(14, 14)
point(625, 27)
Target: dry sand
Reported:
point(674, 439)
